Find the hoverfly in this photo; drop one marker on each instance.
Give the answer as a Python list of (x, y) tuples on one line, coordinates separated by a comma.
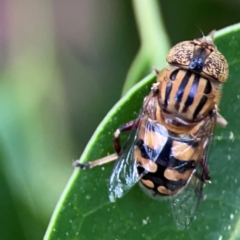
[(167, 150)]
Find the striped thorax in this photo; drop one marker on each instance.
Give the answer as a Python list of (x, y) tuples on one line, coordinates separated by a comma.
[(187, 94)]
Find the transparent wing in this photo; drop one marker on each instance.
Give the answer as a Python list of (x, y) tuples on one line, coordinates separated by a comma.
[(154, 137), (136, 152), (185, 203), (124, 175)]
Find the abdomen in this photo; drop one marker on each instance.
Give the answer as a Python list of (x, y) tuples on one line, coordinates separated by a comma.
[(173, 163)]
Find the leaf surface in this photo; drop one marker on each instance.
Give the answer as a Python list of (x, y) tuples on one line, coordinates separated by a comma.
[(84, 210)]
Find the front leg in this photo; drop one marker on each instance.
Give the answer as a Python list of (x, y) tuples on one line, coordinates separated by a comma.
[(126, 127), (117, 147)]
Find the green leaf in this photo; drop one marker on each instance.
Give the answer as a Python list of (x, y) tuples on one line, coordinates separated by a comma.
[(154, 42), (84, 211)]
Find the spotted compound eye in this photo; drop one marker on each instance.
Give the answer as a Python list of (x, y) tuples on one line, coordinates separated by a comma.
[(200, 56)]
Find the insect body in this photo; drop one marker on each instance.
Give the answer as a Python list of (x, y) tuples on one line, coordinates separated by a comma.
[(168, 145), (187, 94), (170, 160)]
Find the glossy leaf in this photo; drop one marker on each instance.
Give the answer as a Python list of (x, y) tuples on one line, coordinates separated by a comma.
[(84, 210)]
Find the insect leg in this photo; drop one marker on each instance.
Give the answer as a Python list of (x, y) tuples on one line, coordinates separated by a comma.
[(117, 147), (126, 127), (95, 163), (221, 120), (206, 175)]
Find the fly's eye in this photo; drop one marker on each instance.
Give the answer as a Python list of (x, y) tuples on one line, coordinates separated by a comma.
[(200, 56)]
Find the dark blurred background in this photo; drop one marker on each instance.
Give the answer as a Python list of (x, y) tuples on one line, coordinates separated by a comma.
[(62, 67)]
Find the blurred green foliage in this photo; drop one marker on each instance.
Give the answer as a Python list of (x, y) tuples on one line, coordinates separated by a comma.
[(63, 66)]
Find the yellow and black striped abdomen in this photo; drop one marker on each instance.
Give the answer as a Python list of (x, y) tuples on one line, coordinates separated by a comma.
[(186, 94), (170, 164)]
